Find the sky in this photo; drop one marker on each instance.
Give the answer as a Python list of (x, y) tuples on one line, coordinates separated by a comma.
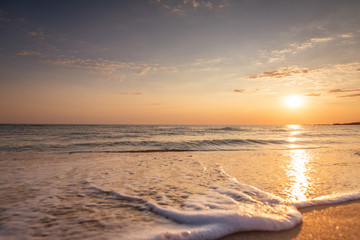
[(179, 61)]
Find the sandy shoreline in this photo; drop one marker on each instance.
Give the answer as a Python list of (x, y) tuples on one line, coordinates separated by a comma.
[(73, 180), (335, 221)]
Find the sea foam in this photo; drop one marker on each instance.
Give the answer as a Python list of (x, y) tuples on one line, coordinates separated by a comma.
[(217, 213), (223, 211), (328, 199)]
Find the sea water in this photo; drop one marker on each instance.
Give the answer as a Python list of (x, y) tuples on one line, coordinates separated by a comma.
[(169, 182)]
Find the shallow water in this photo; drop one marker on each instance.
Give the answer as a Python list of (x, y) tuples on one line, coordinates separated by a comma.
[(111, 193)]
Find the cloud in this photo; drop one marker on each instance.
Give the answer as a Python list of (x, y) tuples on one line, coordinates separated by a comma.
[(281, 73), (292, 49), (102, 66), (321, 79), (335, 91), (245, 90), (351, 95), (319, 40), (348, 35), (239, 91), (348, 67), (182, 7), (40, 35), (161, 68), (356, 90), (343, 90), (29, 53), (205, 65), (5, 21), (313, 95), (112, 69), (144, 71), (202, 62), (284, 72)]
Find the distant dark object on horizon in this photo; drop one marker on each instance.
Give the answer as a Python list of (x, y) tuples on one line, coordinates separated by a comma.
[(353, 123)]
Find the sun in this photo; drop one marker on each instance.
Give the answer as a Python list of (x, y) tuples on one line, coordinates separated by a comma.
[(294, 101)]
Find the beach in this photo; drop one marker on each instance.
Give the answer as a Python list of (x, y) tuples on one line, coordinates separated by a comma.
[(179, 182), (335, 221)]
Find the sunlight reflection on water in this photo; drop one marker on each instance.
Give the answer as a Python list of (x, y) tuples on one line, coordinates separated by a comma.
[(298, 174), (294, 131), (298, 169)]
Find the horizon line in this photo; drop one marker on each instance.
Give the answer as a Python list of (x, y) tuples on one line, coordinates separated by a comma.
[(177, 124)]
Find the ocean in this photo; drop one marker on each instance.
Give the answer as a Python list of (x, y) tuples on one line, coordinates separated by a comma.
[(169, 182)]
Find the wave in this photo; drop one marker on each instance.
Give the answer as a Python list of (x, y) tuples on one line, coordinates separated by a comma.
[(222, 211), (133, 138), (217, 213), (329, 199), (186, 145), (144, 146), (134, 151), (183, 146), (212, 224), (236, 129)]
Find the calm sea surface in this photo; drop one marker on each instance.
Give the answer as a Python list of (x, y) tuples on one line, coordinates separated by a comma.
[(169, 182)]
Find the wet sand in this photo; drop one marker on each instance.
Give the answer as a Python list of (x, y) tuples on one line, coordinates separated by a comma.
[(336, 221)]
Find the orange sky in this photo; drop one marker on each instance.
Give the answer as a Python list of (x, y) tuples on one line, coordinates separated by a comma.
[(189, 62)]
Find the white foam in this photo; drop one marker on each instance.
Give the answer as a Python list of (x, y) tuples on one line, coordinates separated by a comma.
[(222, 211), (219, 214), (329, 199), (247, 217)]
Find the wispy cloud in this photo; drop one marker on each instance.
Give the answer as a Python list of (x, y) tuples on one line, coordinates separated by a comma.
[(355, 91), (313, 81), (29, 53), (144, 70), (164, 68), (284, 72), (281, 73), (182, 7), (242, 90), (343, 90), (40, 35), (5, 20), (101, 65), (348, 35), (292, 49), (319, 40), (239, 91), (312, 95), (296, 47), (111, 68), (202, 62), (351, 95), (205, 65)]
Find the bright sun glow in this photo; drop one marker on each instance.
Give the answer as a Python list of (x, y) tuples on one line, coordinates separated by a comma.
[(294, 101)]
